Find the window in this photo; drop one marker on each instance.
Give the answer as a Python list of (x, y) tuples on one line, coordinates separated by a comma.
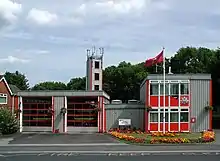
[(174, 117), (184, 115), (154, 89), (153, 117), (96, 87), (174, 89), (166, 115), (96, 76), (3, 98), (166, 89), (96, 64), (184, 88)]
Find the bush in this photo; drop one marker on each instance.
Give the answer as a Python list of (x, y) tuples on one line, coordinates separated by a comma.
[(8, 121)]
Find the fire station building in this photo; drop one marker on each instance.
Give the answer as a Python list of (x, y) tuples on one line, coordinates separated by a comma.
[(188, 99)]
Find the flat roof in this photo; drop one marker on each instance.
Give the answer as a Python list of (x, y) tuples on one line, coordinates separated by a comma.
[(69, 93), (191, 76)]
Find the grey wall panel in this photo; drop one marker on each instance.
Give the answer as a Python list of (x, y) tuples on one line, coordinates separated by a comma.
[(199, 99), (59, 119), (125, 111), (143, 93)]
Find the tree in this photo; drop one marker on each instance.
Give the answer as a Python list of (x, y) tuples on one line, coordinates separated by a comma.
[(50, 86), (18, 79), (8, 122), (199, 60), (123, 82), (193, 60), (77, 84)]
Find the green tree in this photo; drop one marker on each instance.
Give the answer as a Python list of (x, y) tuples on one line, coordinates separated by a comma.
[(50, 86), (193, 60), (77, 84), (8, 122), (199, 60), (123, 82), (18, 79)]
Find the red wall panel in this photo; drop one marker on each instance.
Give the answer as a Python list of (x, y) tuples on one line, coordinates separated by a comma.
[(154, 101), (153, 126), (184, 126), (174, 101), (166, 101), (173, 126), (161, 126)]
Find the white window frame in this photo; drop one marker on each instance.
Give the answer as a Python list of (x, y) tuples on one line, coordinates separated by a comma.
[(157, 88), (166, 112), (169, 82), (4, 96), (187, 111), (174, 112), (156, 111), (178, 111)]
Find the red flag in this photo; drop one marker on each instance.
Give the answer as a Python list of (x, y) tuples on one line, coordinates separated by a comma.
[(157, 59)]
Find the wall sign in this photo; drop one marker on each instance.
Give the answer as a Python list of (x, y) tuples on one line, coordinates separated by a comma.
[(184, 100), (193, 120), (124, 122)]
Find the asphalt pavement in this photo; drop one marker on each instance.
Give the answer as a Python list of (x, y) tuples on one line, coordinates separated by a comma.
[(101, 147), (97, 147), (25, 157), (39, 138)]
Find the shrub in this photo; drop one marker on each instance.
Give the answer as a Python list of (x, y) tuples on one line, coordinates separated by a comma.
[(8, 121)]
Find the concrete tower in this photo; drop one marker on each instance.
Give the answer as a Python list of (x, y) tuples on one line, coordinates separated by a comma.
[(94, 66)]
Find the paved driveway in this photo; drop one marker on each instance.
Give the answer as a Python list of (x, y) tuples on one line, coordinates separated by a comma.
[(37, 138)]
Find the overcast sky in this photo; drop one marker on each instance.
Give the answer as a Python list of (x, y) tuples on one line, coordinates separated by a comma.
[(47, 39)]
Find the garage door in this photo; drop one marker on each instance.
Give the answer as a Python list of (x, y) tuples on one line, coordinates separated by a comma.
[(37, 114), (81, 114)]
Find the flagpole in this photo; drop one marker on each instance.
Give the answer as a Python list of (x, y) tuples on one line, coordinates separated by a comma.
[(164, 90)]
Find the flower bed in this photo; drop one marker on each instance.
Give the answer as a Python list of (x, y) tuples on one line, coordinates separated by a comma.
[(127, 131), (161, 134), (126, 137), (158, 137), (208, 136)]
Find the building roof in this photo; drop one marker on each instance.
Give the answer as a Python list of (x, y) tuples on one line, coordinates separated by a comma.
[(14, 88), (2, 78), (191, 76), (69, 93)]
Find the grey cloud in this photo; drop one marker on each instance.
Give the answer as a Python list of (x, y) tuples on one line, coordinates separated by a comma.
[(169, 23)]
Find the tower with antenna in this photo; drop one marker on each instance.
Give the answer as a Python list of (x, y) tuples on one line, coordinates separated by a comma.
[(94, 67)]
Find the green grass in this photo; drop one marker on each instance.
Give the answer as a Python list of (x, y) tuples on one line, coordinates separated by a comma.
[(181, 135), (148, 138)]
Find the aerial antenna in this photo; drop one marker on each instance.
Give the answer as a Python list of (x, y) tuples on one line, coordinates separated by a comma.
[(101, 49), (88, 52), (93, 51)]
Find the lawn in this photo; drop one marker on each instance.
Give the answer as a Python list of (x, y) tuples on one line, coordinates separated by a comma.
[(139, 137), (180, 135)]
